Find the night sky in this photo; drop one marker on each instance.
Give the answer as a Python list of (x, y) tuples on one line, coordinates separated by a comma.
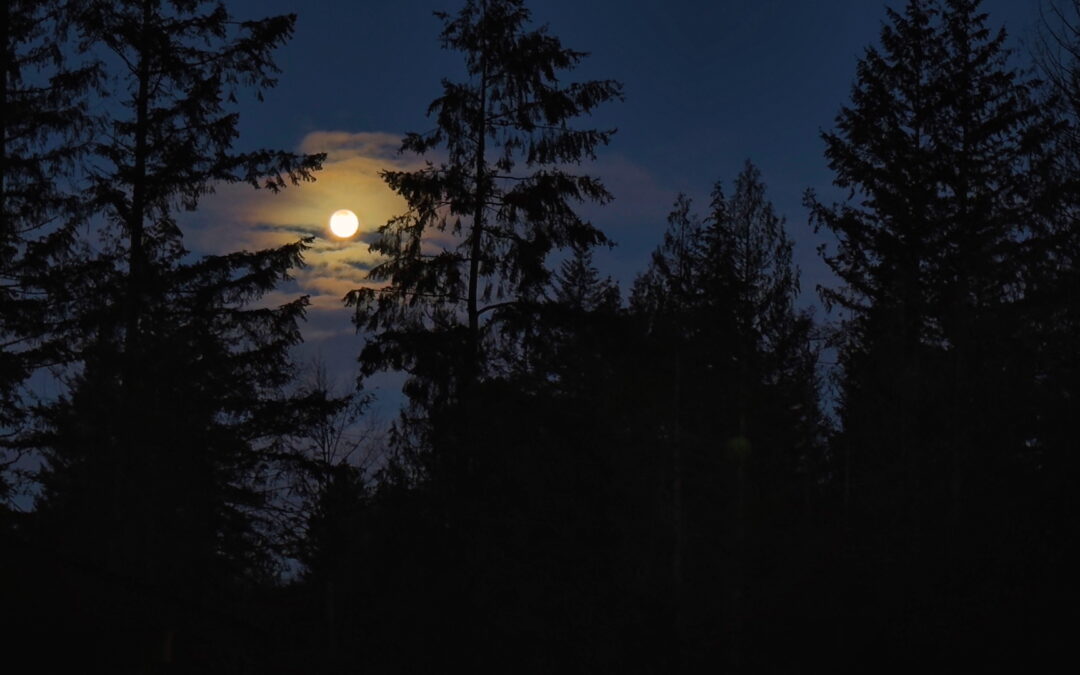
[(708, 85)]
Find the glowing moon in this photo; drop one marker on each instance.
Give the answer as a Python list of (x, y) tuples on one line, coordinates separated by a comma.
[(344, 223)]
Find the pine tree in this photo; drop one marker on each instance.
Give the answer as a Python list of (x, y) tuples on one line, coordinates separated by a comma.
[(725, 288), (750, 276), (669, 286), (460, 268), (158, 453), (42, 125), (734, 397), (948, 150), (491, 227), (577, 284), (555, 339)]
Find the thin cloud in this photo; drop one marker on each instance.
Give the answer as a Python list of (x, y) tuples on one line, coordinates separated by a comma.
[(240, 218), (237, 217)]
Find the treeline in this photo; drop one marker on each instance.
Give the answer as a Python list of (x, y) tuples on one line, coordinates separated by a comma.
[(676, 483)]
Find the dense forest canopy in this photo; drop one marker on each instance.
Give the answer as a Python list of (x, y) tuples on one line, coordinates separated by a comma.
[(668, 475)]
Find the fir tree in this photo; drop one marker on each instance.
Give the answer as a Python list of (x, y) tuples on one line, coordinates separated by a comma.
[(493, 226), (42, 133), (158, 453), (670, 284), (734, 396), (947, 148), (947, 153), (562, 339), (1054, 287), (577, 284), (750, 287), (461, 270), (725, 289)]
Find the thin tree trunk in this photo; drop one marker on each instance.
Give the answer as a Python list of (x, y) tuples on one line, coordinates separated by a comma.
[(136, 216), (476, 243)]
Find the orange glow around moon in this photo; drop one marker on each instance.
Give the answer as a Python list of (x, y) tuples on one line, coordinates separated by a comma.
[(344, 223)]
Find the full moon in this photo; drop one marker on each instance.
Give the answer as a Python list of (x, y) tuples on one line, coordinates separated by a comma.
[(344, 223)]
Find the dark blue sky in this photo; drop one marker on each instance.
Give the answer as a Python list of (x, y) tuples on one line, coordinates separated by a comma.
[(708, 85)]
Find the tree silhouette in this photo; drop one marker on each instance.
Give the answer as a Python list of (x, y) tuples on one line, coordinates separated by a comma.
[(948, 155), (733, 377), (577, 284), (477, 232), (42, 134), (725, 289), (948, 150), (158, 452), (462, 285)]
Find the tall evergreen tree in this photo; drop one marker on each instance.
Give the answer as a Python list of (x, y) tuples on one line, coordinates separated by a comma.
[(461, 270), (733, 377), (726, 289), (477, 232), (157, 454), (1061, 253), (947, 148), (750, 274), (557, 339), (41, 135), (948, 154)]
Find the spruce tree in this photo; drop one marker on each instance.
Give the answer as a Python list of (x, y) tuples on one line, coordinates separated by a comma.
[(947, 153), (577, 284), (43, 127), (734, 405), (750, 276), (724, 288), (482, 222), (555, 339), (669, 287), (1060, 253), (459, 272), (159, 451), (947, 149)]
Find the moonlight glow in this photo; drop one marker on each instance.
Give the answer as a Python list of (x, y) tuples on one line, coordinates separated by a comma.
[(344, 223)]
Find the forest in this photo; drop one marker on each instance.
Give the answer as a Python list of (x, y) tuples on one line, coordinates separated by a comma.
[(695, 473)]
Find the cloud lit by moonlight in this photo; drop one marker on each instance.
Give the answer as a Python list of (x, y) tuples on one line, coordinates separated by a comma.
[(238, 217)]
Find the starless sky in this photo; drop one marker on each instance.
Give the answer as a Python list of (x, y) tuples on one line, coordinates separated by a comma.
[(708, 84)]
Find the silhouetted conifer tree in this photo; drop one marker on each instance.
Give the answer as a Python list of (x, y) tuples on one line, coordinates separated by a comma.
[(495, 225), (557, 342), (464, 268), (725, 289), (577, 284), (946, 148), (735, 400), (750, 273), (158, 452), (669, 287), (947, 152), (42, 133)]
